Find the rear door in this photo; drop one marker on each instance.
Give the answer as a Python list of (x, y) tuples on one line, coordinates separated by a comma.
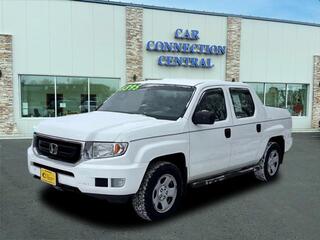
[(246, 129), (209, 147)]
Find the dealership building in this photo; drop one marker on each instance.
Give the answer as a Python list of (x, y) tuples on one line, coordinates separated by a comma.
[(61, 57)]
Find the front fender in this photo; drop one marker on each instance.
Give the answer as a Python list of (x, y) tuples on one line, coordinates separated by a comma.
[(149, 149)]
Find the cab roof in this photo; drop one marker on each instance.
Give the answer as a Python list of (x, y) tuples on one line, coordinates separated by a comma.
[(194, 82)]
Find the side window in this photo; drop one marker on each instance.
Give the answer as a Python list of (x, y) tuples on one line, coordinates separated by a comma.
[(213, 101), (242, 102)]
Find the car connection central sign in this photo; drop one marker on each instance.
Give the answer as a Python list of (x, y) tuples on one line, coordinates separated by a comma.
[(185, 48)]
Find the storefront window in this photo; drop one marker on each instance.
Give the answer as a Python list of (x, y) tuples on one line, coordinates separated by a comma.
[(100, 90), (73, 94), (294, 97), (276, 95), (297, 99), (37, 96), (259, 89)]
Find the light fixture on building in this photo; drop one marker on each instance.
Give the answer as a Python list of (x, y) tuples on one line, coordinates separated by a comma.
[(134, 78)]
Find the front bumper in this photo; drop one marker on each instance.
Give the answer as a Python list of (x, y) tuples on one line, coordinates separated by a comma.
[(83, 174)]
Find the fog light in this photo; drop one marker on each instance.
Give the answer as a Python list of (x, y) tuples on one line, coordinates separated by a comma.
[(118, 182), (101, 182)]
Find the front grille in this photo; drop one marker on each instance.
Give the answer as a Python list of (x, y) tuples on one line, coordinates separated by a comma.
[(64, 150)]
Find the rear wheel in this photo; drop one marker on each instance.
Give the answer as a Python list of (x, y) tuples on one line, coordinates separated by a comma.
[(160, 192), (269, 164)]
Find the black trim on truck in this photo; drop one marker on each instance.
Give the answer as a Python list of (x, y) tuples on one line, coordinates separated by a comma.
[(53, 169), (222, 176), (111, 198)]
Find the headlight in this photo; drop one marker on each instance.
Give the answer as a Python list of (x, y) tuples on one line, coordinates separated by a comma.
[(104, 149)]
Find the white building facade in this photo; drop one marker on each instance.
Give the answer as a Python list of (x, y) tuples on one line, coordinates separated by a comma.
[(61, 57)]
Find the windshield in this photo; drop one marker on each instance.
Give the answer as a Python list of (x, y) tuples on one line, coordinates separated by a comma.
[(154, 100)]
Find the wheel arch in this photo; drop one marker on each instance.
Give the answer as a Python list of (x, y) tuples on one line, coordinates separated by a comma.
[(178, 159), (279, 139)]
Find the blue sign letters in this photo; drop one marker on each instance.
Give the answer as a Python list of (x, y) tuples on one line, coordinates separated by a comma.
[(185, 48)]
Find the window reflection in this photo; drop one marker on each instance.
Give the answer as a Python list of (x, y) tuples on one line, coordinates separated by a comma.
[(37, 96), (275, 95), (297, 99), (292, 96), (100, 90), (71, 94), (50, 96), (259, 89)]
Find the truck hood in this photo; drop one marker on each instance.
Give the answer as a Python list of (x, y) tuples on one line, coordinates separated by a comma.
[(107, 126)]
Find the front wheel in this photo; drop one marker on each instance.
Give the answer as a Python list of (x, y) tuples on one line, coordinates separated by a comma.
[(268, 166), (160, 192)]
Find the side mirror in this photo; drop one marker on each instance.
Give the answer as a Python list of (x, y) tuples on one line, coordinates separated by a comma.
[(203, 117)]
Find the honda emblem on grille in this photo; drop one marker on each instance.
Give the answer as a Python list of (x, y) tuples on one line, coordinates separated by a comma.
[(53, 148)]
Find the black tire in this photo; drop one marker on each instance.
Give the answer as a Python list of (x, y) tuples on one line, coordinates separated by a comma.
[(268, 167), (143, 202)]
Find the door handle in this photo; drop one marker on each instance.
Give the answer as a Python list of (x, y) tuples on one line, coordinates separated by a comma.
[(227, 132), (258, 127)]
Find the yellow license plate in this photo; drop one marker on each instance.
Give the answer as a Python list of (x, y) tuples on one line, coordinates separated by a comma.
[(48, 176)]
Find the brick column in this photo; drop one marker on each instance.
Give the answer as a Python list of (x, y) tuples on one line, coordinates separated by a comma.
[(7, 124), (316, 92), (233, 49), (134, 45)]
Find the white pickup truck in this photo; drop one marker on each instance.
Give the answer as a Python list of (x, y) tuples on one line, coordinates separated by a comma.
[(151, 139)]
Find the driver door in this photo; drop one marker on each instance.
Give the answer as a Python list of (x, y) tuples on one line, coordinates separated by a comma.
[(210, 144)]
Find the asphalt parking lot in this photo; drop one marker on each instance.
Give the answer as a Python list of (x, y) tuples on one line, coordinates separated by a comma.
[(239, 208)]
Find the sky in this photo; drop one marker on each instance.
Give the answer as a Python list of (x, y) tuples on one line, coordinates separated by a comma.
[(296, 10)]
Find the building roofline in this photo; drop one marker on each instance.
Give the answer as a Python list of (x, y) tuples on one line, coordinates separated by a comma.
[(193, 82), (125, 4)]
